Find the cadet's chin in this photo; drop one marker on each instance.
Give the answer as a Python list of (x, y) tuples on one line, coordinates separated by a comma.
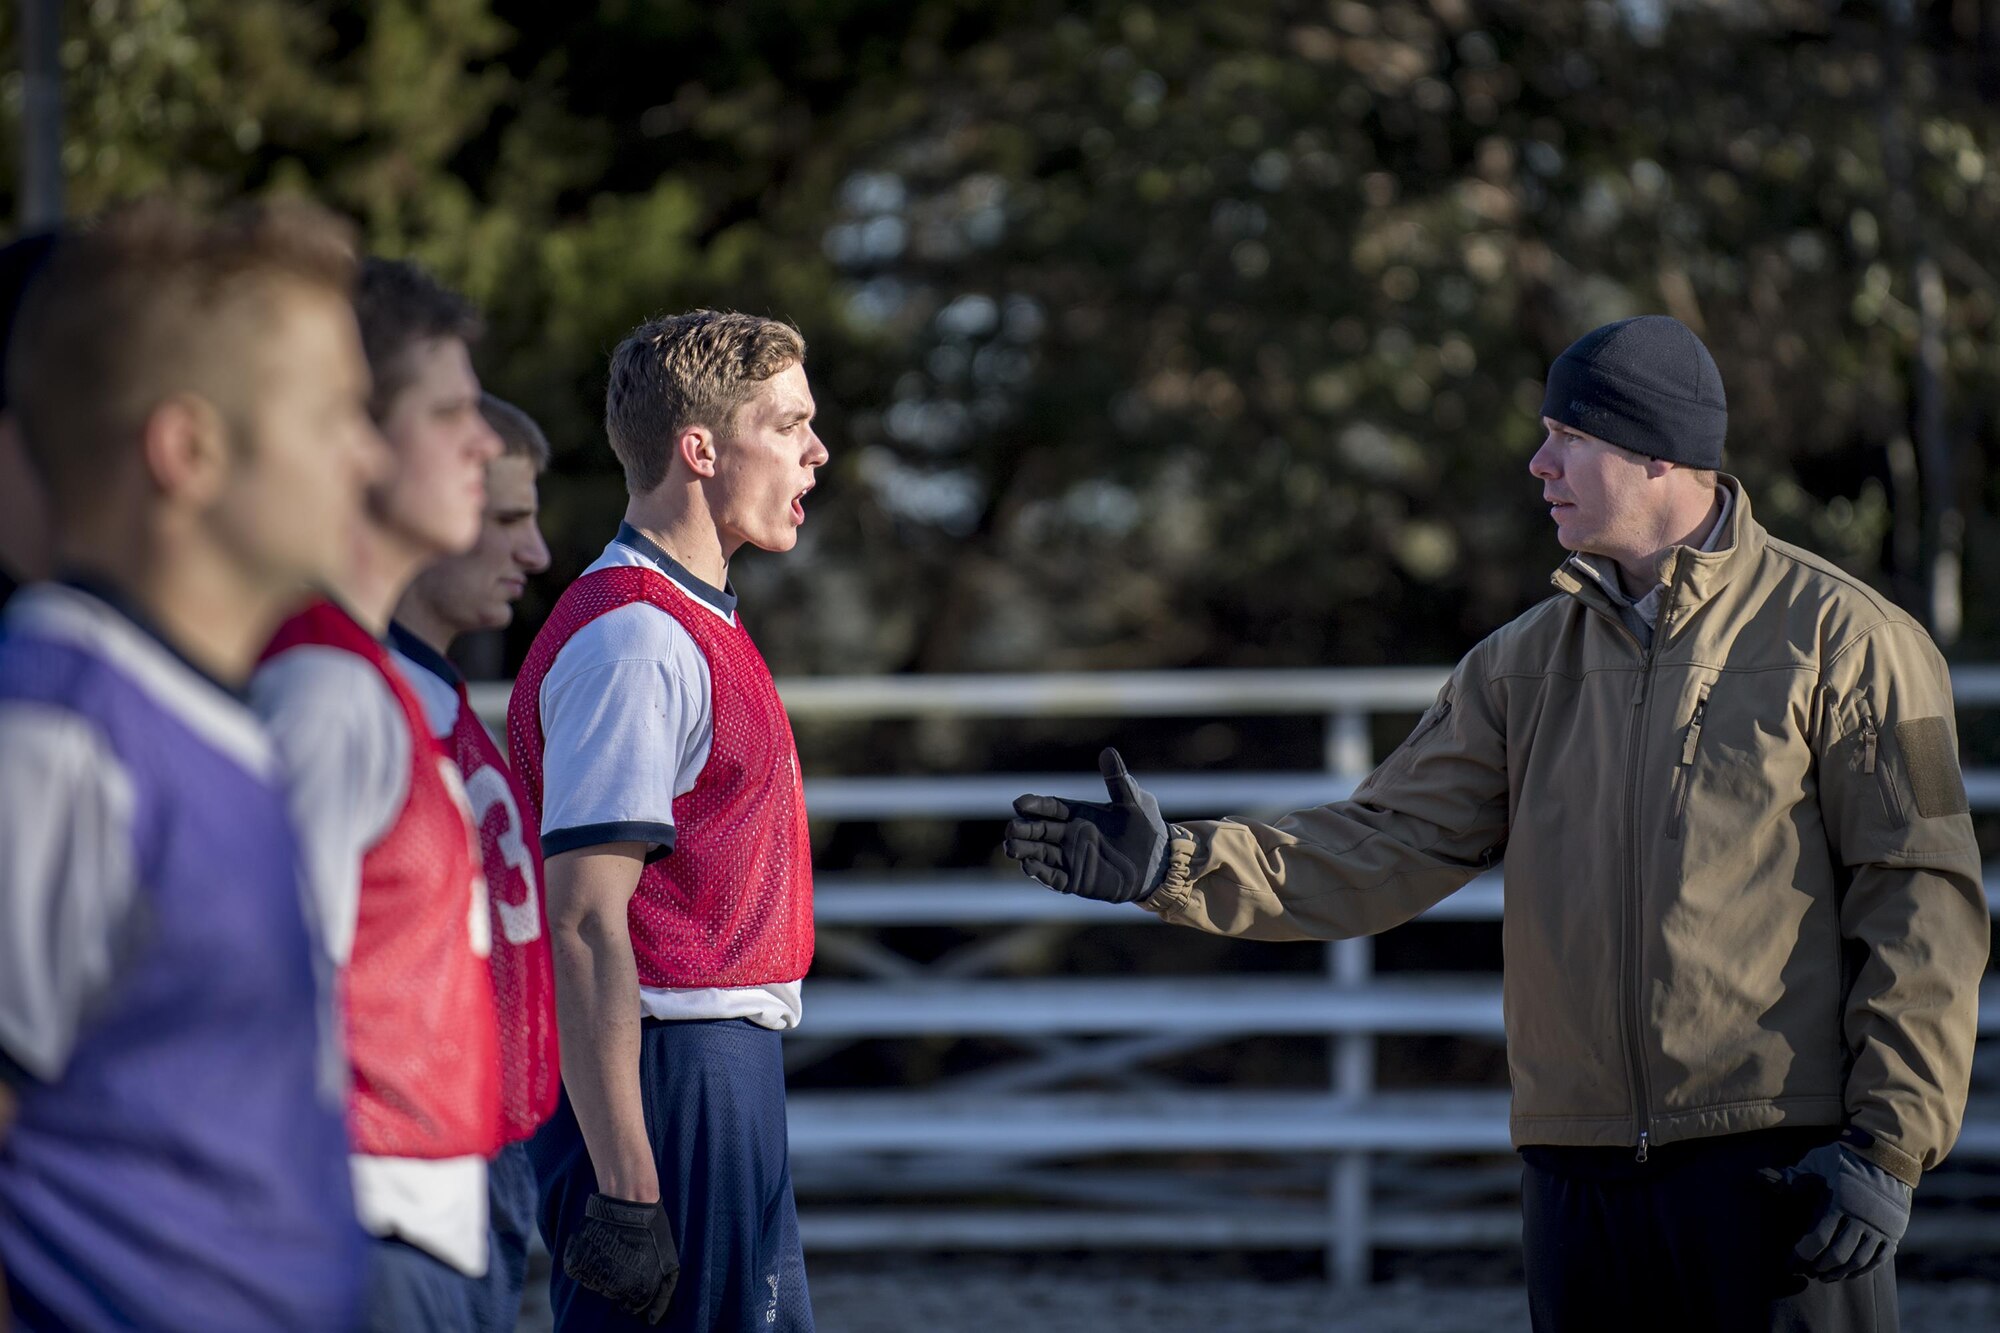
[(780, 541)]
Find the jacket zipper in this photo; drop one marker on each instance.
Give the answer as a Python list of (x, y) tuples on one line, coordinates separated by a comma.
[(1634, 936), (1868, 737), (1635, 939), (1439, 715), (1871, 744), (1684, 770)]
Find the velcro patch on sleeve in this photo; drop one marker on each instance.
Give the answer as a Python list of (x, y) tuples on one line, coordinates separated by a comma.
[(1932, 762)]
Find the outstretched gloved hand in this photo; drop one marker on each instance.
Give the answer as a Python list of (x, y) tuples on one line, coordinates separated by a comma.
[(624, 1252), (1114, 851), (1864, 1212)]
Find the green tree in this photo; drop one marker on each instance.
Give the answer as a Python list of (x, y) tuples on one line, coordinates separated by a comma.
[(1195, 334)]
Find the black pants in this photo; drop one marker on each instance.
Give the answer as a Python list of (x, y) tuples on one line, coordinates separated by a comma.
[(1691, 1239)]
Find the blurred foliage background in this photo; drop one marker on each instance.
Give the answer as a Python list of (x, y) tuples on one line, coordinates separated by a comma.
[(1206, 333)]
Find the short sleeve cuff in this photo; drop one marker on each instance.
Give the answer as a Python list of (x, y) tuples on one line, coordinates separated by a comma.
[(658, 837)]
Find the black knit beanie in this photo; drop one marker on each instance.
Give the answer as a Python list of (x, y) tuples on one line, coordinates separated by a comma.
[(1645, 384)]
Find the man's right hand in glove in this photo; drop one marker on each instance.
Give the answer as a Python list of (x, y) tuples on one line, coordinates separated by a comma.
[(625, 1253), (1115, 851)]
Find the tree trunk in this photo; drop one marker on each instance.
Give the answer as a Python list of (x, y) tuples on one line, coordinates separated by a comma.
[(41, 201)]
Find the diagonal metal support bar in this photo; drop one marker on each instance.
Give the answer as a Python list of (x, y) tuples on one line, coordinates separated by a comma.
[(1110, 1058), (869, 957)]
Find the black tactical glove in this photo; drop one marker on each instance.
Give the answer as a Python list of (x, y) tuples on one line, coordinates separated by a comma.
[(625, 1253), (1115, 852), (1863, 1213)]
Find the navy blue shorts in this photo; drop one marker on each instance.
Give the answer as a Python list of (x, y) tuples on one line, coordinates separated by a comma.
[(409, 1288), (510, 1203), (715, 1113)]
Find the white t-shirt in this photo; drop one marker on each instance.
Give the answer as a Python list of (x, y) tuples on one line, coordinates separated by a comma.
[(346, 748), (626, 728)]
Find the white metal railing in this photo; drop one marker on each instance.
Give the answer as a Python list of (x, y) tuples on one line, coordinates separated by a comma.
[(1305, 691), (1346, 1122), (1093, 693)]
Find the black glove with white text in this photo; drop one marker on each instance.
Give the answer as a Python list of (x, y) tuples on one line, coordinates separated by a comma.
[(625, 1253), (1114, 851), (1863, 1212)]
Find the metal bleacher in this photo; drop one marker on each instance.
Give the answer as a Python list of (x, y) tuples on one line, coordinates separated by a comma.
[(1140, 1160)]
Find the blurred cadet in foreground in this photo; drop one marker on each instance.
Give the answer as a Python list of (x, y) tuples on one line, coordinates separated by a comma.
[(1745, 928), (24, 538), (650, 736), (195, 397), (459, 595), (391, 857)]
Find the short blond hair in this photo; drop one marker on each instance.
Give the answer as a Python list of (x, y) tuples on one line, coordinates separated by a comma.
[(151, 302), (519, 436), (696, 369)]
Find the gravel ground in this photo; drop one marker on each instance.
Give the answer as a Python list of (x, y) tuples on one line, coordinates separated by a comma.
[(959, 1297), (962, 1297), (1003, 1296)]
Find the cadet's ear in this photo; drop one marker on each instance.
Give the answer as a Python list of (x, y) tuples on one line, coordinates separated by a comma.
[(185, 447), (696, 448)]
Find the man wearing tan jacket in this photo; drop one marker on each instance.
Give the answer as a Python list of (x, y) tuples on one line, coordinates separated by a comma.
[(1745, 926)]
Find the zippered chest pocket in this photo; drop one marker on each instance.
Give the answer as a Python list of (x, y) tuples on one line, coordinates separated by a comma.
[(1684, 764), (1871, 750)]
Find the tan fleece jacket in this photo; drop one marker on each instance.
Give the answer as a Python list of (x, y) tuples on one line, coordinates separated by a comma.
[(1742, 887)]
